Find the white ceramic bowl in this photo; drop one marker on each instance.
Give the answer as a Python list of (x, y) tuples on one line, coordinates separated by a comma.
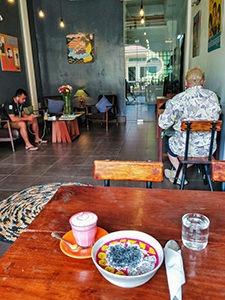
[(121, 280)]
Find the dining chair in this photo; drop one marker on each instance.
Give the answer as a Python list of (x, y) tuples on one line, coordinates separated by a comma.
[(197, 126), (106, 114), (218, 172), (8, 134), (128, 170)]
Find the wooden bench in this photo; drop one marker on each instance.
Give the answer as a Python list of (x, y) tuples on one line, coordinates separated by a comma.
[(218, 172), (128, 170)]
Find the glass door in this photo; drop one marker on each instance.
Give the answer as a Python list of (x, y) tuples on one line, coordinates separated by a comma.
[(153, 57)]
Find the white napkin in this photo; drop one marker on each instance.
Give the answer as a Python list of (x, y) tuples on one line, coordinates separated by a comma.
[(174, 269)]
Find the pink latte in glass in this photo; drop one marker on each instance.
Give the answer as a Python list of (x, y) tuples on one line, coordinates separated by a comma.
[(84, 227)]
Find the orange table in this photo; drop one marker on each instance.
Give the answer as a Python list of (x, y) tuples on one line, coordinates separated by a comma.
[(65, 131), (34, 267)]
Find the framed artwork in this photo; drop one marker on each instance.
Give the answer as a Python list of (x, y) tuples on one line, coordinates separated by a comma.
[(214, 24), (80, 48), (196, 33), (9, 53)]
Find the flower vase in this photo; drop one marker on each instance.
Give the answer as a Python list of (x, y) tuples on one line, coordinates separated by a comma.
[(67, 104)]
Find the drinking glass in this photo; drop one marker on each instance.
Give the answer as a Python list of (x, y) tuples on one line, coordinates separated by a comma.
[(84, 227), (195, 231)]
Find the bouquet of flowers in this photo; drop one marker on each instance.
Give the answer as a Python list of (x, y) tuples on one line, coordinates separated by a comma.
[(65, 89)]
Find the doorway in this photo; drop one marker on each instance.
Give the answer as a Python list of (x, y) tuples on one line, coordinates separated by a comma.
[(152, 55)]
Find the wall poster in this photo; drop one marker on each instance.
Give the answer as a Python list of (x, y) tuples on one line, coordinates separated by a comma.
[(196, 33), (9, 53), (214, 24), (80, 48)]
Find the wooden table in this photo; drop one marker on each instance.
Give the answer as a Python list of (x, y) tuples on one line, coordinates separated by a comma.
[(65, 131), (35, 268)]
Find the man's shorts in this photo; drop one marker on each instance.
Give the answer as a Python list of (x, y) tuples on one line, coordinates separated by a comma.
[(169, 150), (13, 125)]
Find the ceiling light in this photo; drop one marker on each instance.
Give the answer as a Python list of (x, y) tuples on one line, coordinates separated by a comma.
[(11, 1), (144, 33), (141, 11), (142, 20), (1, 18), (41, 13), (61, 24)]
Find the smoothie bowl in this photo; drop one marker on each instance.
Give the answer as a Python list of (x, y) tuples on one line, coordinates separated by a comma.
[(127, 258)]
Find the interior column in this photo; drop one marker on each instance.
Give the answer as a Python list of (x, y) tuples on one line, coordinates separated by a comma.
[(187, 38), (28, 55)]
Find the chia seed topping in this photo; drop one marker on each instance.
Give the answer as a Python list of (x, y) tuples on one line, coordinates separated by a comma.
[(119, 256), (129, 257)]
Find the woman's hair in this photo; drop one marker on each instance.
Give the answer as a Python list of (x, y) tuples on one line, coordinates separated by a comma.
[(195, 76)]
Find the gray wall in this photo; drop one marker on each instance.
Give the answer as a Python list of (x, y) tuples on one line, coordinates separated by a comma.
[(11, 81), (103, 18), (212, 63)]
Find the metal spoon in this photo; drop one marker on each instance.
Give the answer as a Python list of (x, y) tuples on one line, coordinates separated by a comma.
[(74, 247)]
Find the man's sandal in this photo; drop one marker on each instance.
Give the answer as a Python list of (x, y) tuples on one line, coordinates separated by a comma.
[(41, 142), (31, 148)]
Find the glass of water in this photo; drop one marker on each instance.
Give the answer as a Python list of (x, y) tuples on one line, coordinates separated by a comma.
[(195, 231)]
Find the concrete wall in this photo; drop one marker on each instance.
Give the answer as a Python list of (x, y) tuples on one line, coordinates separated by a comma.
[(11, 81), (103, 18), (213, 63)]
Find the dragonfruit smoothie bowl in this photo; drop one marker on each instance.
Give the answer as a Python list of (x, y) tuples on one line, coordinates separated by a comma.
[(127, 258)]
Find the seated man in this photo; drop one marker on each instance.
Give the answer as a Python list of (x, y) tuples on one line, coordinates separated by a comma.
[(195, 103), (14, 112)]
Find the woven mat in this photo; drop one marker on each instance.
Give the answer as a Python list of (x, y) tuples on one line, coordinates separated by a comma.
[(19, 210)]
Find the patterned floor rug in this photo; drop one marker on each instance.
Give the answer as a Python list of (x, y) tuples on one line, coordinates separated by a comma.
[(19, 210)]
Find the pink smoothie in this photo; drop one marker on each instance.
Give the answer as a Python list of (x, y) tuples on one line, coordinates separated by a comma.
[(84, 227)]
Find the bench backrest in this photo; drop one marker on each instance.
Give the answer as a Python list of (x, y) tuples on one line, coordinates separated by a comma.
[(218, 170), (128, 170)]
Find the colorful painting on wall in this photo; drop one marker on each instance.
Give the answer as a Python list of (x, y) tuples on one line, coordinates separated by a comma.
[(80, 48), (9, 53), (214, 25), (196, 37)]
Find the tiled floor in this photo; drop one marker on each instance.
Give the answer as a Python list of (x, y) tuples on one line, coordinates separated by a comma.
[(140, 111), (74, 162)]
